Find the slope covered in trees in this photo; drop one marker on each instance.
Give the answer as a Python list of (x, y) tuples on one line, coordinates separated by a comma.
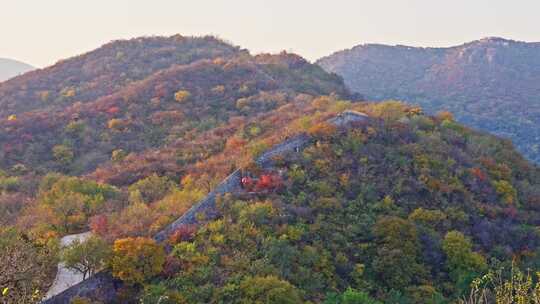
[(183, 85), (103, 71), (146, 113), (490, 84), (406, 210), (437, 201)]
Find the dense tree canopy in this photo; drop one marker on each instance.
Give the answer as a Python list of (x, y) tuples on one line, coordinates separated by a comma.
[(135, 148), (395, 210)]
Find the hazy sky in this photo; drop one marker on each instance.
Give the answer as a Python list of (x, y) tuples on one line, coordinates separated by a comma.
[(41, 32)]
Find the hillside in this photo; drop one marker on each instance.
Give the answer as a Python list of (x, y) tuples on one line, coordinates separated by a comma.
[(10, 68), (405, 212), (489, 84), (133, 148), (103, 71), (139, 94), (136, 113), (404, 208)]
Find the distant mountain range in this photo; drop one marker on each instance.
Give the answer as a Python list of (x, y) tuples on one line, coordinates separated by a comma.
[(10, 68), (491, 84)]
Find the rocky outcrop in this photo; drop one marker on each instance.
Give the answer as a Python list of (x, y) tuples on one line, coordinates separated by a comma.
[(103, 286)]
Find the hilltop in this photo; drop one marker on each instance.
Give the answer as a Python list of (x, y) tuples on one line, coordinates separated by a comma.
[(10, 68), (489, 84), (139, 94)]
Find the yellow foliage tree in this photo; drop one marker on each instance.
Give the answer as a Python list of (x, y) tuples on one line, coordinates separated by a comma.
[(182, 96), (389, 111), (505, 190), (137, 259), (117, 124)]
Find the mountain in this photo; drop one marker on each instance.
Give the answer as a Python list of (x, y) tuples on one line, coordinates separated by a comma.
[(129, 138), (404, 209), (104, 71), (139, 94), (76, 136), (10, 68), (490, 84)]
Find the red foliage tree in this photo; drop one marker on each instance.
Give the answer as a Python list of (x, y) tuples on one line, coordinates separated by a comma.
[(113, 110), (99, 225), (183, 234)]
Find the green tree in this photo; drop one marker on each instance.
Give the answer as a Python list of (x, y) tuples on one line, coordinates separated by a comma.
[(69, 212), (75, 129), (397, 251), (463, 263), (268, 290), (63, 154), (118, 155), (150, 189), (434, 219), (73, 200), (506, 191), (86, 257), (351, 296)]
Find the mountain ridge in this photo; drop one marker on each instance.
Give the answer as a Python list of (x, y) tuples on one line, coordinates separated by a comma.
[(487, 39), (490, 83)]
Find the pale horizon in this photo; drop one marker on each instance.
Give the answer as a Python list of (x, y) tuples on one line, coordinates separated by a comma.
[(61, 29)]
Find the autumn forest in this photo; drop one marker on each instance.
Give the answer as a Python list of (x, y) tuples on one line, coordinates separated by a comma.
[(404, 207)]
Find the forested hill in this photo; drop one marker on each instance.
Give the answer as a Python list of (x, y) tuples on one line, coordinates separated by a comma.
[(103, 71), (139, 94), (490, 84), (148, 113), (404, 208), (409, 208), (10, 68)]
